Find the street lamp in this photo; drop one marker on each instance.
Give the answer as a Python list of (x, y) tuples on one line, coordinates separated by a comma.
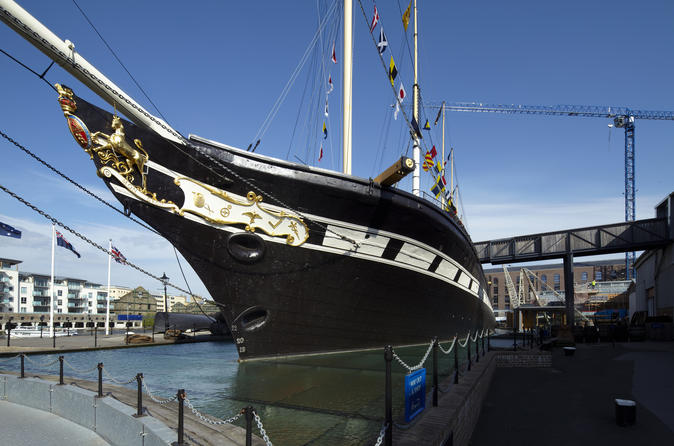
[(165, 280)]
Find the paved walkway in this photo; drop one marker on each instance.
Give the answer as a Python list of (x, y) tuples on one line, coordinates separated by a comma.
[(19, 422), (572, 403)]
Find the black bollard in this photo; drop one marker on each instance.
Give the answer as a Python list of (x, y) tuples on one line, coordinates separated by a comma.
[(388, 398), (468, 350), (139, 380), (96, 336), (181, 417), (100, 380), (23, 374), (127, 334), (514, 340), (456, 360), (249, 425), (477, 351), (61, 370), (41, 327), (435, 372), (53, 338), (9, 334)]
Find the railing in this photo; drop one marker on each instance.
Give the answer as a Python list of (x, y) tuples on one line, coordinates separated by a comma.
[(143, 388)]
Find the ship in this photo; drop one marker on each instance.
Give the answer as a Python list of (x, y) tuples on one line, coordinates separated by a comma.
[(301, 260)]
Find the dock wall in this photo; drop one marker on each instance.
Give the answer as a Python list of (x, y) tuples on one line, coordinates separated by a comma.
[(109, 418)]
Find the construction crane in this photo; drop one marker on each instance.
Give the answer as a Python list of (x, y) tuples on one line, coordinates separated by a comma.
[(623, 117)]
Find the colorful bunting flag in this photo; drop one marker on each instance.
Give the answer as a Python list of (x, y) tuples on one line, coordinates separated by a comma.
[(438, 188), (401, 96), (427, 126), (439, 113), (392, 71), (326, 108), (330, 84), (375, 19), (117, 255), (9, 231), (320, 156), (334, 55), (61, 241), (434, 152), (406, 16), (325, 131), (428, 161), (383, 42)]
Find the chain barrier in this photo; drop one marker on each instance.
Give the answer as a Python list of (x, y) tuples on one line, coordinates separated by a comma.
[(447, 352), (46, 364), (2, 361), (418, 366), (466, 341), (382, 432), (209, 420), (112, 378), (474, 337), (83, 372), (262, 431), (153, 398)]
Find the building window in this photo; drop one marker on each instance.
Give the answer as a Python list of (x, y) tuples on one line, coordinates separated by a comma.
[(23, 310), (555, 280), (59, 293), (59, 311), (584, 276), (597, 275), (59, 302), (544, 281), (24, 290), (23, 300)]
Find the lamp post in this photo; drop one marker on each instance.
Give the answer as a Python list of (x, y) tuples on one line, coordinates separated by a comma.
[(41, 325), (165, 280)]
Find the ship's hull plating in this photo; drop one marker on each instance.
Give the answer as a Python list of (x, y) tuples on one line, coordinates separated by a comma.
[(378, 266)]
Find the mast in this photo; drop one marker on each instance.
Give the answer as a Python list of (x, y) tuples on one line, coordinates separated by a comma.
[(417, 149), (51, 283), (64, 54), (347, 78)]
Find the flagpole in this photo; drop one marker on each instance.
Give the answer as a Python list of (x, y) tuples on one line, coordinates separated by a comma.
[(443, 153), (51, 286), (416, 178), (107, 306), (347, 84)]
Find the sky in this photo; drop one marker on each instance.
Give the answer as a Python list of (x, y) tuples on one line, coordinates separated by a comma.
[(216, 69)]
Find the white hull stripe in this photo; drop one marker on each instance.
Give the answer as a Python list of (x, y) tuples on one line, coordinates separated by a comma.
[(371, 244)]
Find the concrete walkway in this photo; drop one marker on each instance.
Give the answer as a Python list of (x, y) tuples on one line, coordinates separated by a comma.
[(19, 428), (572, 403)]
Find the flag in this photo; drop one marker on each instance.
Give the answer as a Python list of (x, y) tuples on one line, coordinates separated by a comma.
[(415, 126), (428, 161), (61, 241), (427, 126), (438, 188), (326, 108), (383, 43), (406, 16), (439, 113), (434, 152), (392, 71), (334, 55), (325, 131), (9, 231), (330, 84), (320, 156), (375, 19), (401, 96), (117, 255)]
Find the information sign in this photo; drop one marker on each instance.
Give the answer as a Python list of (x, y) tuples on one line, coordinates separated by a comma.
[(415, 394)]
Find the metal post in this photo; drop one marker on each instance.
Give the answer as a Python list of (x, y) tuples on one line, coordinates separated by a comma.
[(468, 350), (488, 341), (127, 333), (139, 406), (96, 335), (53, 338), (456, 361), (249, 426), (483, 352), (435, 372), (388, 398), (41, 328), (100, 380), (23, 374), (477, 351), (9, 332), (181, 416), (568, 290), (61, 370)]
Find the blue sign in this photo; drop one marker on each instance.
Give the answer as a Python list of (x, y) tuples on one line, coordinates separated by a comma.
[(415, 394), (129, 317)]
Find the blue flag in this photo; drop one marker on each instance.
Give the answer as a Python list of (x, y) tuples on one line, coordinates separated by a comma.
[(61, 241), (9, 231)]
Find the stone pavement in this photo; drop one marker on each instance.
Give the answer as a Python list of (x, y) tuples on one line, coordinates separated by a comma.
[(19, 428), (572, 403)]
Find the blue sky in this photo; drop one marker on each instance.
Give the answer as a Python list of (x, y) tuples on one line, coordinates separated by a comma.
[(216, 68)]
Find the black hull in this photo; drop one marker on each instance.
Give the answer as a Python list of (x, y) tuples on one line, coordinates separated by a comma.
[(379, 266)]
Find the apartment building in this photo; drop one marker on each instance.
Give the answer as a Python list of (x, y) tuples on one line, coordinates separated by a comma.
[(71, 295), (9, 283)]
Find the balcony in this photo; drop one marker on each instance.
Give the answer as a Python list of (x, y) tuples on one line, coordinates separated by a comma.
[(41, 284), (44, 293)]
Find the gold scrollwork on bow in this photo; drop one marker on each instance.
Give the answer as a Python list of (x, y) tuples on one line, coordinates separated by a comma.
[(218, 207)]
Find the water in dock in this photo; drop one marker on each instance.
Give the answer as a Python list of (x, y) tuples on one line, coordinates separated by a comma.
[(333, 399)]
